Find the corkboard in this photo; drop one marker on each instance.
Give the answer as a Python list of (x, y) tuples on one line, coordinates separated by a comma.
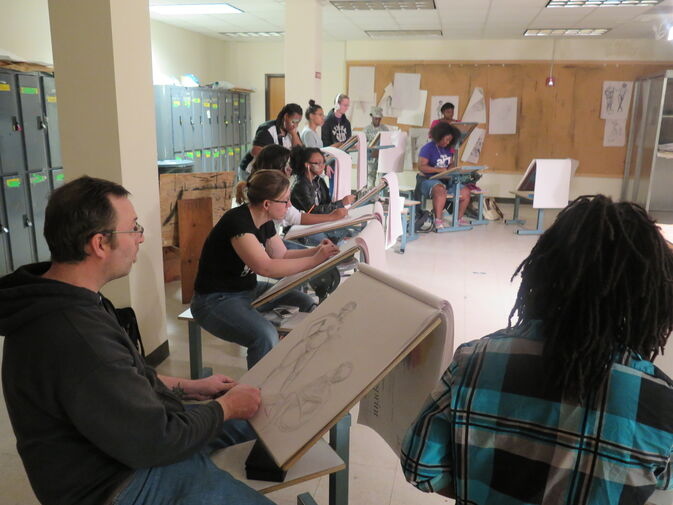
[(217, 186), (558, 122)]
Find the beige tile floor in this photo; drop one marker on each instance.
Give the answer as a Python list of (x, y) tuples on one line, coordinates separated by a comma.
[(470, 269)]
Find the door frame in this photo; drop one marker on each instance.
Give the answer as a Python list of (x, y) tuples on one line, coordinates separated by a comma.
[(267, 77)]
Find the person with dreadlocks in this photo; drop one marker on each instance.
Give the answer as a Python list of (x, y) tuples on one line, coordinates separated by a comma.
[(564, 406)]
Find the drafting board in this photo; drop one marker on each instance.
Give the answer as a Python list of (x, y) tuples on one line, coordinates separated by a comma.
[(549, 181), (333, 358), (392, 160), (361, 160), (451, 172), (342, 171), (369, 194), (355, 216)]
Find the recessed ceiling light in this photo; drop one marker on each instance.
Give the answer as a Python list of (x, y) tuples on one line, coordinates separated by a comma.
[(602, 3), (565, 32), (393, 34), (383, 5), (252, 35), (187, 9)]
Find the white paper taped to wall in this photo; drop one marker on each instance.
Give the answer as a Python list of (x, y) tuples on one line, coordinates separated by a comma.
[(476, 108), (502, 116), (406, 88), (361, 84)]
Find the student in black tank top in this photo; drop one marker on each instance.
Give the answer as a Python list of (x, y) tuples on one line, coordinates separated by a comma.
[(243, 244)]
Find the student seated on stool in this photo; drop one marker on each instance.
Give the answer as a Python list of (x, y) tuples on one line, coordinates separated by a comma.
[(434, 157), (565, 406), (94, 423), (243, 244)]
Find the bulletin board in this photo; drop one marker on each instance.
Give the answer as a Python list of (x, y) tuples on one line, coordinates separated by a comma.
[(562, 121)]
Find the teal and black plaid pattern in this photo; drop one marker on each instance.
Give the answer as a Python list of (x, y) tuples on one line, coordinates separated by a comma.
[(497, 431)]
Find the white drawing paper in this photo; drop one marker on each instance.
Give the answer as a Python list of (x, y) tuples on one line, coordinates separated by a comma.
[(418, 137), (416, 115), (406, 88), (332, 357), (436, 103), (361, 158), (360, 113), (361, 84), (502, 115), (614, 134), (386, 102), (616, 99), (394, 221), (476, 108), (392, 159), (342, 169), (474, 145)]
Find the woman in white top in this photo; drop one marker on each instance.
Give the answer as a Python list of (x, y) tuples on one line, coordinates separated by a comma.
[(310, 136)]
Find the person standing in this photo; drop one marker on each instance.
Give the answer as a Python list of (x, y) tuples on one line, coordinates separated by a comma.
[(447, 111), (370, 131), (281, 131)]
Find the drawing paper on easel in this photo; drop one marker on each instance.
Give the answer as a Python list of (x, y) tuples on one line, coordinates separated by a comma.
[(476, 108), (615, 133), (333, 358), (361, 84), (386, 102), (474, 145), (360, 112), (416, 115), (502, 116), (436, 103), (406, 88), (548, 180), (616, 99)]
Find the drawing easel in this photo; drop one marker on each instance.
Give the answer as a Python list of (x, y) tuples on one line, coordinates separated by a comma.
[(449, 174), (369, 194), (304, 395), (355, 216), (546, 183)]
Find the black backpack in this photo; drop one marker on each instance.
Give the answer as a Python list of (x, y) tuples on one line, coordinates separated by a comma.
[(423, 222), (127, 319)]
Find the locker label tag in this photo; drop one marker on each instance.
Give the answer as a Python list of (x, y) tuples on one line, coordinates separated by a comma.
[(13, 183), (28, 90), (5, 87)]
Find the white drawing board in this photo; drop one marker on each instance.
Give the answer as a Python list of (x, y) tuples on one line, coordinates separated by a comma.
[(324, 366), (549, 180)]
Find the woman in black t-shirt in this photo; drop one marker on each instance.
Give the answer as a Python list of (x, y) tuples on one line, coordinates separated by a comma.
[(243, 244)]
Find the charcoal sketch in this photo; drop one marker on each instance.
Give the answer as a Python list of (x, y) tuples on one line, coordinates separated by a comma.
[(616, 99), (289, 411), (320, 332)]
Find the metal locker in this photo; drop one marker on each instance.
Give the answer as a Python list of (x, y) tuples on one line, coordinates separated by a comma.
[(38, 183), (188, 123), (242, 117), (228, 118), (237, 156), (197, 117), (207, 160), (12, 160), (163, 108), (217, 159), (34, 122), (231, 159), (207, 108), (235, 119), (51, 114), (18, 220), (248, 121), (5, 257), (57, 178), (178, 118), (198, 160), (215, 120)]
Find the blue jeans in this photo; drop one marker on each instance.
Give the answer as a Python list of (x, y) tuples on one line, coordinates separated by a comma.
[(194, 481), (230, 316)]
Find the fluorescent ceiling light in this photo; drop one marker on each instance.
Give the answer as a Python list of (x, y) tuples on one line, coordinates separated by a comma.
[(251, 35), (566, 32), (394, 34), (383, 5), (187, 9), (602, 3)]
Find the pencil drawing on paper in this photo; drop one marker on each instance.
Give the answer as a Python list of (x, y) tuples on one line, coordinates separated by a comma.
[(616, 99), (320, 332), (289, 411)]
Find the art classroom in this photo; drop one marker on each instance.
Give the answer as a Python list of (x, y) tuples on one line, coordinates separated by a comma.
[(347, 252)]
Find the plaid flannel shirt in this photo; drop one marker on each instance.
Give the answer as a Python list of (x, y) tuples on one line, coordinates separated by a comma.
[(496, 431)]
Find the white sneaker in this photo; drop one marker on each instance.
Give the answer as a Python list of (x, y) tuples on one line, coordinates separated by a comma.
[(464, 222), (439, 224)]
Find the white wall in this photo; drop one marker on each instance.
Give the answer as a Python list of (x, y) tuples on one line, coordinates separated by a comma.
[(24, 29)]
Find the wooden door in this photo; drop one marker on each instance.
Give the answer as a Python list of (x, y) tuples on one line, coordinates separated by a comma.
[(275, 94)]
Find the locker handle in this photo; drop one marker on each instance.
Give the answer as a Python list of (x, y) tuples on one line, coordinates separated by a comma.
[(4, 229), (16, 126), (41, 124), (27, 222)]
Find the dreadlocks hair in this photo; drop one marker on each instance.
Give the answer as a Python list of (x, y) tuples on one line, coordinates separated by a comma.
[(600, 280)]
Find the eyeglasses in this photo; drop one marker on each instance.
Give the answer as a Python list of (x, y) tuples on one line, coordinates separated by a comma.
[(284, 202), (318, 163), (295, 121), (137, 228)]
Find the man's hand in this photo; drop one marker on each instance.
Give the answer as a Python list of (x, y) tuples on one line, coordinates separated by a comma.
[(241, 402), (348, 199), (339, 213), (325, 250), (208, 387)]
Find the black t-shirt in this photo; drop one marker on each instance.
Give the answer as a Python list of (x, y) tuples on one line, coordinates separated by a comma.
[(220, 268), (267, 133), (335, 129)]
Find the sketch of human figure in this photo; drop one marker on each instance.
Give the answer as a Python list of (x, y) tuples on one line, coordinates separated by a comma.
[(609, 97), (289, 411), (621, 96), (320, 332)]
